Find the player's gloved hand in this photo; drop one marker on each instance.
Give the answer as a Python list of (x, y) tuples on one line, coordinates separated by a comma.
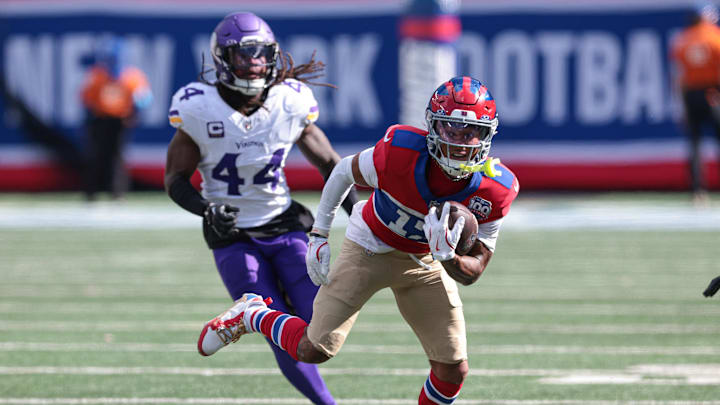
[(317, 259), (441, 239), (221, 218), (712, 288)]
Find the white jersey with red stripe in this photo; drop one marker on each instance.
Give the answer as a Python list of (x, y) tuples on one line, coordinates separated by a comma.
[(394, 215), (242, 157)]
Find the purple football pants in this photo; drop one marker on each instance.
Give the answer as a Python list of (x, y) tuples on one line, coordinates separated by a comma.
[(275, 267)]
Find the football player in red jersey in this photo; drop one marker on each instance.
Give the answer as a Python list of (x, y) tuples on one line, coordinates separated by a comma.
[(395, 240)]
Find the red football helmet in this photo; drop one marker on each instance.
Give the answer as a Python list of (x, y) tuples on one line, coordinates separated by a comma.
[(461, 120)]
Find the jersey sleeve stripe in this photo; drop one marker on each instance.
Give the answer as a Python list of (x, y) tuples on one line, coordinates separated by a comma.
[(505, 178), (313, 114)]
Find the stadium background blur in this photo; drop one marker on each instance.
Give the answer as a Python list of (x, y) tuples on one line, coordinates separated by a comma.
[(593, 296), (583, 87)]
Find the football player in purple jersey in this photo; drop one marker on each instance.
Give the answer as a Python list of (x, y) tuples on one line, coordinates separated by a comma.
[(238, 131)]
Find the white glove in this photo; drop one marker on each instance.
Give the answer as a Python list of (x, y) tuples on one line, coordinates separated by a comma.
[(442, 240), (317, 259)]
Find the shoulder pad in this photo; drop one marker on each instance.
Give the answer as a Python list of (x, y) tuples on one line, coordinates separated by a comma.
[(298, 99), (405, 136), (188, 101), (503, 175)]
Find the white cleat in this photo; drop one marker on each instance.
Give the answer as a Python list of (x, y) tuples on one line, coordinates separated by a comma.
[(229, 326)]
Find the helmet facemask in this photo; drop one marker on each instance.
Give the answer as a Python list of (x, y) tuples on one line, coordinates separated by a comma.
[(459, 143), (248, 67)]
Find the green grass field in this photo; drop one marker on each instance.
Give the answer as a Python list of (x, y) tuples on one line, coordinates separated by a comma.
[(110, 314)]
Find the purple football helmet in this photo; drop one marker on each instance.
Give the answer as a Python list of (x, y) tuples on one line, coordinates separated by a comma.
[(245, 53)]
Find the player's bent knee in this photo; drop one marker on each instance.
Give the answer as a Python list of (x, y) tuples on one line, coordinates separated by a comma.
[(307, 353), (452, 373)]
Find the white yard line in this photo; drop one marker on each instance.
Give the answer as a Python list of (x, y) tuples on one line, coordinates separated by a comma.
[(201, 292), (365, 349), (371, 327), (348, 401), (526, 215), (372, 308), (653, 369), (206, 308), (650, 374)]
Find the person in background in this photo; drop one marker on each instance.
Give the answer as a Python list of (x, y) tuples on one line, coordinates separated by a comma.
[(113, 93), (696, 55), (238, 131)]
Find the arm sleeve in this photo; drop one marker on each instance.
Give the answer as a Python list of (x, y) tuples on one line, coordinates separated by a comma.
[(488, 233), (350, 201), (184, 194), (336, 188), (367, 167)]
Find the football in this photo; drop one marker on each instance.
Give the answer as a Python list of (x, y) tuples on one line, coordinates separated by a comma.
[(469, 233)]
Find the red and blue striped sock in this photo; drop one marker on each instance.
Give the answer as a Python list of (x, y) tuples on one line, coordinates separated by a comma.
[(284, 330), (436, 392)]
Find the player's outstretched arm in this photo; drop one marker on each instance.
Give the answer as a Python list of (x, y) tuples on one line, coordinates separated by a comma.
[(468, 268), (317, 149), (337, 186)]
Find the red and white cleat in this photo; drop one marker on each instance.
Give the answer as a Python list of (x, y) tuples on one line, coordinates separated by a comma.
[(229, 326)]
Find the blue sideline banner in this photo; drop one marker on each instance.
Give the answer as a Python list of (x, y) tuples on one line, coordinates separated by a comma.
[(581, 84)]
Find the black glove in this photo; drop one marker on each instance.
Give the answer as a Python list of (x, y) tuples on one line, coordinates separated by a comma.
[(712, 288), (221, 218)]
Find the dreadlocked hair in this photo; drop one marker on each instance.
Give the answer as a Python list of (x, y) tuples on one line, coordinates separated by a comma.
[(206, 68), (303, 73)]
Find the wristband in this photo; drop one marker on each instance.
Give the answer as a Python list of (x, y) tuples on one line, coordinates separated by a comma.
[(185, 195)]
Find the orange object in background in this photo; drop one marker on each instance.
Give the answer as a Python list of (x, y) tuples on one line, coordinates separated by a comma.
[(697, 51), (106, 96)]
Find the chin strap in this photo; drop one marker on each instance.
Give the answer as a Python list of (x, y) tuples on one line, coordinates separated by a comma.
[(250, 87), (487, 167)]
